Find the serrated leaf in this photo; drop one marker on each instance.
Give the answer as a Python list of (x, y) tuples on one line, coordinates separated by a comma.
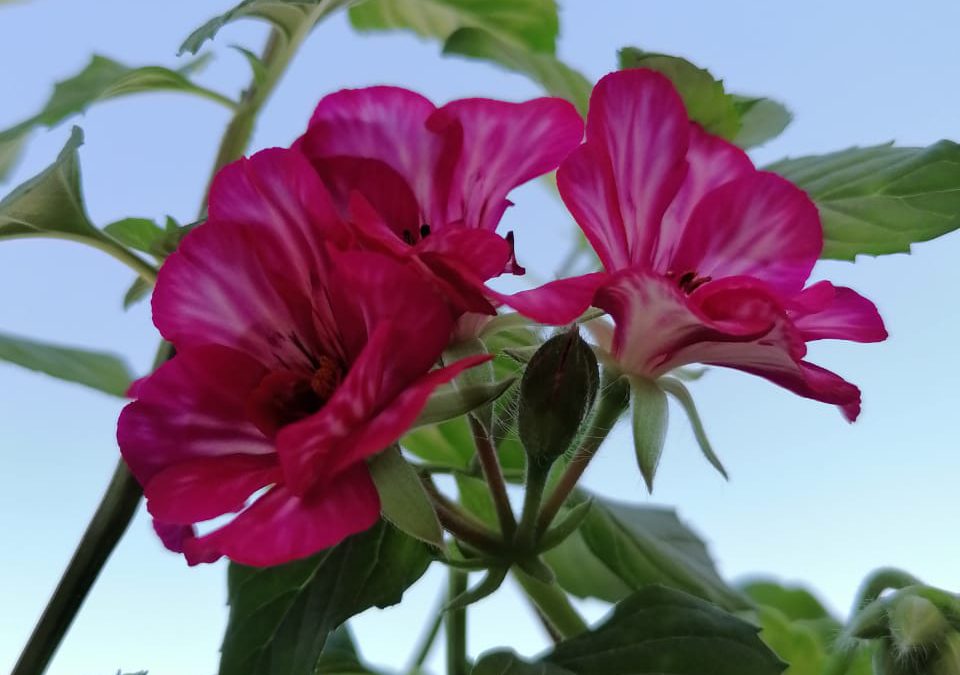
[(703, 95), (97, 370), (280, 617), (676, 388), (102, 79), (656, 631), (621, 548), (286, 15), (529, 24), (557, 78), (649, 416), (761, 120), (403, 501), (880, 199), (139, 233)]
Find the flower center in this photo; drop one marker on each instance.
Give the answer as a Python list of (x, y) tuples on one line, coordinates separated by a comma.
[(688, 281), (287, 396)]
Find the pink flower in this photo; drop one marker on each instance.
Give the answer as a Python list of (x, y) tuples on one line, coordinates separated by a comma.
[(295, 362), (430, 184), (705, 257)]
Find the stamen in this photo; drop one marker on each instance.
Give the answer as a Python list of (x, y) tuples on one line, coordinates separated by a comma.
[(424, 231), (327, 378)]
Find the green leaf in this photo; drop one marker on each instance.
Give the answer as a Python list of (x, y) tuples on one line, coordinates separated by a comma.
[(140, 233), (452, 401), (621, 548), (794, 602), (529, 24), (880, 199), (649, 417), (403, 501), (104, 372), (761, 120), (51, 201), (280, 617), (340, 657), (475, 497), (557, 78), (656, 631), (103, 79), (704, 97), (138, 290), (286, 15), (678, 390), (10, 152), (796, 642), (447, 444)]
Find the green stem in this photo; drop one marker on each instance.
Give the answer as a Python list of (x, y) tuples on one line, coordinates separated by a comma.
[(456, 623), (536, 482), (553, 604), (114, 514), (493, 474), (429, 637), (106, 244)]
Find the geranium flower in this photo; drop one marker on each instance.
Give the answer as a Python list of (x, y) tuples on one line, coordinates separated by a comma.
[(431, 184), (705, 258), (296, 361)]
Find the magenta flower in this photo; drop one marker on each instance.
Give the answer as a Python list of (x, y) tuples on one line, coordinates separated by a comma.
[(705, 257), (295, 362), (431, 184)]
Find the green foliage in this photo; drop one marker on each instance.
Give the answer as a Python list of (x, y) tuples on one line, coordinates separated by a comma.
[(446, 444), (557, 78), (281, 617), (452, 401), (140, 233), (761, 120), (286, 15), (675, 388), (103, 372), (656, 631), (529, 24), (649, 417), (797, 604), (101, 79), (621, 548), (403, 500), (880, 199)]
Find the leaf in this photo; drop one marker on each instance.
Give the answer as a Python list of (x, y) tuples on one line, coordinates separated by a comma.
[(138, 290), (528, 24), (704, 97), (97, 370), (795, 642), (286, 15), (103, 79), (280, 617), (557, 78), (676, 388), (794, 602), (880, 199), (10, 152), (51, 201), (140, 233), (403, 501), (451, 401), (649, 418), (761, 120), (656, 631), (447, 444), (621, 548)]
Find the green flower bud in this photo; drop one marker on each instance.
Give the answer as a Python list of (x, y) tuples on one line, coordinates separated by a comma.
[(556, 394)]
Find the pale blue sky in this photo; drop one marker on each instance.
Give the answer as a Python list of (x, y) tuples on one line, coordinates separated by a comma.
[(811, 499)]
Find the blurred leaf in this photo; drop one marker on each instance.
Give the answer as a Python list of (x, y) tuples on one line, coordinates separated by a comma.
[(761, 120), (528, 24), (880, 199), (10, 152), (557, 78), (138, 290), (286, 15), (140, 233), (794, 602), (104, 372), (280, 617), (447, 444), (656, 631), (403, 501), (636, 546), (103, 79), (797, 643)]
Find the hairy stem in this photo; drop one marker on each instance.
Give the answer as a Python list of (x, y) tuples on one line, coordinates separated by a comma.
[(535, 483), (553, 604), (114, 514), (456, 623), (490, 464)]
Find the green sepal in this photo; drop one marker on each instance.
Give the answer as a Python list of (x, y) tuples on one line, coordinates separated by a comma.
[(679, 391), (650, 416), (403, 500)]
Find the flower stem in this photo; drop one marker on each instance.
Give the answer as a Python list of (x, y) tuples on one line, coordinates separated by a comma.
[(429, 637), (461, 525), (536, 481), (614, 399), (456, 623), (553, 604), (114, 514), (490, 464)]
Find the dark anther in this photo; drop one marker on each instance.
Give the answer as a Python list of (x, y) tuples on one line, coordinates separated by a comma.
[(408, 237), (424, 231)]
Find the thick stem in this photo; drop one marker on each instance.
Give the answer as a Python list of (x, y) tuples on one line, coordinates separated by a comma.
[(114, 514), (535, 483), (613, 401), (493, 474), (553, 604), (456, 624), (461, 525)]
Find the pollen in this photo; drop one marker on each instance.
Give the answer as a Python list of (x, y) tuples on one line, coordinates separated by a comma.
[(326, 378)]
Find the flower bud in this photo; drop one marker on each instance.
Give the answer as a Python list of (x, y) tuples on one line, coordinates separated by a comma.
[(556, 394)]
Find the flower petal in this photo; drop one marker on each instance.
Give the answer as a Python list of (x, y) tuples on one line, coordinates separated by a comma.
[(282, 526), (824, 311), (557, 302), (503, 145), (193, 406), (620, 183), (486, 253), (759, 225)]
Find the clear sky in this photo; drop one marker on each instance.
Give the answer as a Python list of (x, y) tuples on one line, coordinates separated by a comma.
[(811, 499)]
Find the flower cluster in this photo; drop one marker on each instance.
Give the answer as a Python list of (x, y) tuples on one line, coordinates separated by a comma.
[(311, 311)]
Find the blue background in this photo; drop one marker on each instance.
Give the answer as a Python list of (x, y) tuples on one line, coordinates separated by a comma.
[(812, 499)]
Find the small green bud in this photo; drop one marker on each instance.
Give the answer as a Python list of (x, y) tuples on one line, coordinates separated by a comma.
[(916, 624), (556, 394)]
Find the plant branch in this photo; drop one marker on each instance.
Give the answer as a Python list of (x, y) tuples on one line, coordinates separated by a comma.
[(429, 637), (490, 464), (456, 625), (553, 604)]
